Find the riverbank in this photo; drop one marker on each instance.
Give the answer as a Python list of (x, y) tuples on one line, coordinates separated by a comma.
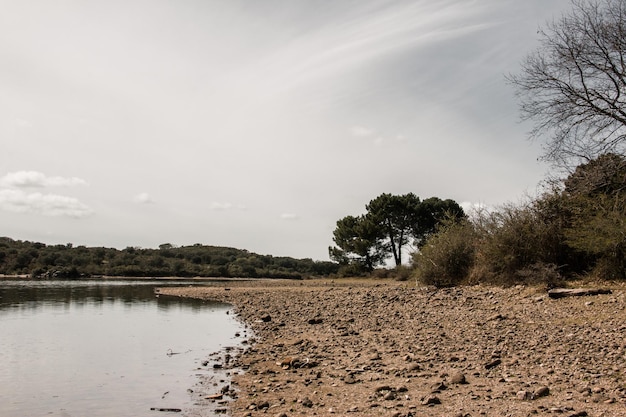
[(385, 348)]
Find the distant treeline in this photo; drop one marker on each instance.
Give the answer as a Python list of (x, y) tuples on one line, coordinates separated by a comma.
[(68, 261)]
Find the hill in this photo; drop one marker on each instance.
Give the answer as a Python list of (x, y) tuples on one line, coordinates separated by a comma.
[(67, 261)]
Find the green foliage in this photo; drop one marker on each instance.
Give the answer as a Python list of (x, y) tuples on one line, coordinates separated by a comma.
[(359, 244), (448, 255), (596, 197), (391, 224), (396, 217), (573, 230), (66, 261)]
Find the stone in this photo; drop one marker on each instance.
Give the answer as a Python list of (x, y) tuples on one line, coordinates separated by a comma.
[(577, 292), (493, 363), (307, 402), (266, 318), (524, 395), (390, 396), (458, 378), (438, 387), (431, 400), (541, 392), (349, 380)]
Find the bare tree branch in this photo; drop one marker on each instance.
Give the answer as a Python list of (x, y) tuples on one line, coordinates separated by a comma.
[(573, 86)]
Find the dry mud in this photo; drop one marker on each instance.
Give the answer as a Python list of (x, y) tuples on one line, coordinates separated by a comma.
[(384, 348)]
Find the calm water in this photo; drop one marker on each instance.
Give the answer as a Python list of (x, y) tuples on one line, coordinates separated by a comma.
[(100, 348)]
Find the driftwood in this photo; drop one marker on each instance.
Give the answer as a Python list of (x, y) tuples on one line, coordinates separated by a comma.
[(576, 292)]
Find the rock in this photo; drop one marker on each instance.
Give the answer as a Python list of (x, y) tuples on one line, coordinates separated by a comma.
[(390, 396), (307, 402), (524, 395), (458, 378), (349, 380), (438, 387), (431, 400), (266, 318), (415, 367), (263, 406), (541, 392), (316, 320), (493, 363), (578, 292)]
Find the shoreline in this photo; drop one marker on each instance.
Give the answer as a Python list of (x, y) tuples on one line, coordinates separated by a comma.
[(379, 347)]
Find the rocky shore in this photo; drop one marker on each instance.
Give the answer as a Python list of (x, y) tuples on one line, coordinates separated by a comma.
[(385, 348)]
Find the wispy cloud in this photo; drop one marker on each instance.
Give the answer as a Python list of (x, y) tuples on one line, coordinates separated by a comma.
[(363, 35), (360, 131), (226, 206), (19, 201), (143, 198), (35, 179), (376, 138)]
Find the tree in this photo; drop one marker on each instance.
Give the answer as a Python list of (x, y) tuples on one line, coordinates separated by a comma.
[(574, 85), (359, 241), (596, 197), (396, 216), (432, 212), (391, 223)]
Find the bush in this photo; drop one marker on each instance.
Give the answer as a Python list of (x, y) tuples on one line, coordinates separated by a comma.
[(514, 239), (447, 256)]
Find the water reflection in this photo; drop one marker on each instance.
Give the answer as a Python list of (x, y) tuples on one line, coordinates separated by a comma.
[(34, 294), (99, 348)]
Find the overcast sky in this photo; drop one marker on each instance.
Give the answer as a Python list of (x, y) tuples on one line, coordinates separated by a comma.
[(255, 124)]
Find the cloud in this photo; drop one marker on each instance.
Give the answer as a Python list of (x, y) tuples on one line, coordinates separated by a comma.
[(360, 131), (34, 179), (143, 198), (22, 123), (18, 201), (226, 206), (289, 216)]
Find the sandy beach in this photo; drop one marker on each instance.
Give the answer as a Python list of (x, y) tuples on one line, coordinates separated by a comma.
[(387, 348)]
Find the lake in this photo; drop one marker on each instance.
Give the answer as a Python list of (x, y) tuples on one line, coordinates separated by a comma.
[(105, 347)]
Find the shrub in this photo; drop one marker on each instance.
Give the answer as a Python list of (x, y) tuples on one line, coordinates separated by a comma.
[(447, 256), (514, 239)]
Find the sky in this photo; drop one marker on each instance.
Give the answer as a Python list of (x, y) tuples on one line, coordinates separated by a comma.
[(255, 124)]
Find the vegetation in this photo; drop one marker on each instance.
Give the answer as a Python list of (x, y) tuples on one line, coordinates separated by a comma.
[(577, 229), (391, 223), (573, 88), (66, 261), (573, 85)]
